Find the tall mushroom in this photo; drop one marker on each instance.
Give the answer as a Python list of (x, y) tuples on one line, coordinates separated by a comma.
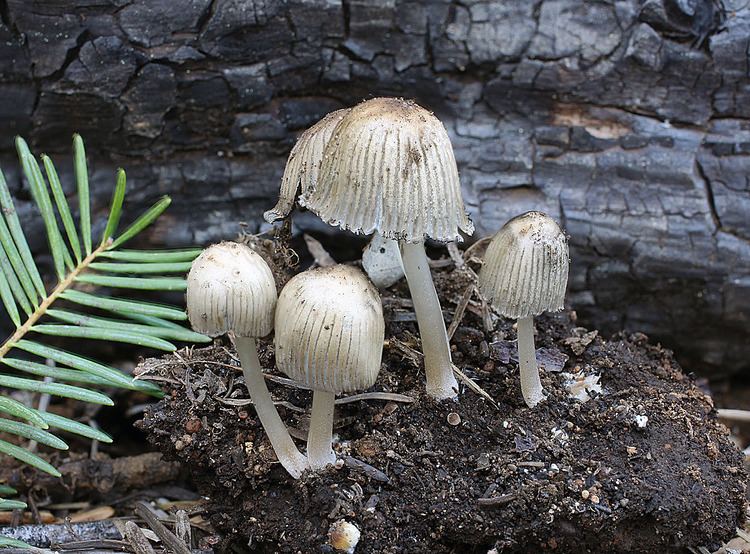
[(303, 164), (329, 336), (230, 288), (525, 273), (389, 167)]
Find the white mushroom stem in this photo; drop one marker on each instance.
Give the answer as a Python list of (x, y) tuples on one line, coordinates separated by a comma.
[(286, 451), (531, 385), (441, 383), (320, 436)]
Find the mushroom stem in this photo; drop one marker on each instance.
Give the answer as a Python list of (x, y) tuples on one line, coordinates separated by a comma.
[(320, 436), (441, 383), (286, 451), (531, 385)]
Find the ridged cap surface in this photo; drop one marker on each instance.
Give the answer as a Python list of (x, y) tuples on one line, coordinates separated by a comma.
[(330, 329), (303, 164), (525, 269), (231, 288), (389, 167)]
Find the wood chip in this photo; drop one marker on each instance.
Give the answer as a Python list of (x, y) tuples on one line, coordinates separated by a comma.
[(182, 527), (137, 539), (319, 253), (95, 514), (46, 517), (367, 469)]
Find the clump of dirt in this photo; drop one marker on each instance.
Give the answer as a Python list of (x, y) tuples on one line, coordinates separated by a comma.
[(642, 465)]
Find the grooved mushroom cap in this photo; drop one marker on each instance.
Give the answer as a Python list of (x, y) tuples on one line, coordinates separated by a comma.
[(303, 164), (389, 167), (231, 288), (330, 329), (525, 269)]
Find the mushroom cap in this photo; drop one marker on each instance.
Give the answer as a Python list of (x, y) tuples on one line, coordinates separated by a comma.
[(330, 329), (389, 167), (525, 269), (303, 164), (231, 288)]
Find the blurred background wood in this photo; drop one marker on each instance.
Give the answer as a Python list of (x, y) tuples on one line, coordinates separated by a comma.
[(626, 119)]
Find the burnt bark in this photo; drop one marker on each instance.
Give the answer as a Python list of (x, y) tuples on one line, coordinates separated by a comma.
[(626, 119)]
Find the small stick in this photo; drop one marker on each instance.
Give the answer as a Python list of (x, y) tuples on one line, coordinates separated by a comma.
[(734, 415), (460, 309), (167, 537), (530, 464), (495, 501), (137, 539)]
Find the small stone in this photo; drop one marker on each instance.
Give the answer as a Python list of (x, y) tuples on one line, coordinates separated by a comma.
[(193, 425), (584, 494), (594, 499), (454, 419)]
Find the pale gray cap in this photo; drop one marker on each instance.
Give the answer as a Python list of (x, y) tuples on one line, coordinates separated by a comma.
[(330, 329), (525, 269), (303, 164), (231, 288), (389, 167)]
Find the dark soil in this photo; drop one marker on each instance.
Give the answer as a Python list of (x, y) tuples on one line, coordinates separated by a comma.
[(467, 476)]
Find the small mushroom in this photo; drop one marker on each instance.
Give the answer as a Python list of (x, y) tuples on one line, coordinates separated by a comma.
[(343, 536), (303, 164), (389, 168), (525, 273), (230, 288), (329, 336)]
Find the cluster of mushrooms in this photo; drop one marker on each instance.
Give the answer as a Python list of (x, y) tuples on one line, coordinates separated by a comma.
[(385, 167)]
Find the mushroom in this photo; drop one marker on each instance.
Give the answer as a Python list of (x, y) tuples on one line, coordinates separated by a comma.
[(329, 337), (303, 164), (389, 167), (230, 288), (525, 273)]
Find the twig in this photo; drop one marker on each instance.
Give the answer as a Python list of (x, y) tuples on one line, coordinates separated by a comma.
[(167, 537), (495, 501), (460, 310), (387, 396), (530, 464), (734, 415), (469, 382), (137, 539)]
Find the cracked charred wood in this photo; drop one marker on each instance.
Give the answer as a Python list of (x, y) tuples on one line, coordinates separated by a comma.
[(628, 120)]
